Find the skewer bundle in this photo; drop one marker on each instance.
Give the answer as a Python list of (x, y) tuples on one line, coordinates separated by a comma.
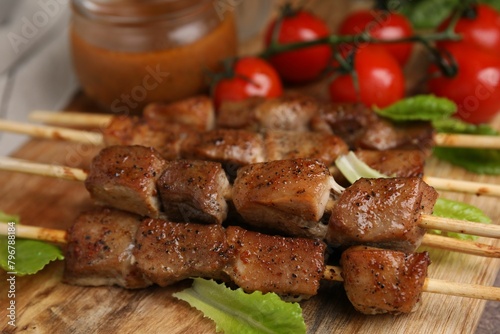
[(173, 130), (292, 112), (428, 285)]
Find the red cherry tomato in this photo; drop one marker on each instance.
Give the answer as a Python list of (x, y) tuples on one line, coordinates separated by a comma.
[(381, 25), (482, 31), (252, 77), (381, 79), (476, 87), (305, 64)]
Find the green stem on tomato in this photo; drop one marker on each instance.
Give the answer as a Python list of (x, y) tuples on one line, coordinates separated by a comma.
[(458, 13), (333, 39)]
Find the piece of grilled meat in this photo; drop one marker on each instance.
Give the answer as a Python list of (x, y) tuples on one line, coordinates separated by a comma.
[(382, 213), (125, 177), (290, 267), (288, 196), (194, 191), (169, 252), (291, 112), (383, 281), (100, 250)]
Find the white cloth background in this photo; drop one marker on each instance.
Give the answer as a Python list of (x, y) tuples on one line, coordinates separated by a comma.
[(35, 63)]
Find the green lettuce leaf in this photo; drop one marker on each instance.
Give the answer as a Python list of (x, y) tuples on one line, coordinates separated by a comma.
[(479, 161), (353, 168), (418, 108), (235, 311), (30, 256), (457, 210), (454, 125), (428, 14)]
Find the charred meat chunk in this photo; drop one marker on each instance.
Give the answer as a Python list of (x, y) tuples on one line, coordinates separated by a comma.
[(230, 147), (384, 135), (194, 191), (346, 120), (166, 139), (196, 112), (395, 163), (169, 252), (292, 112), (360, 127), (100, 250), (288, 196), (381, 212), (125, 177), (383, 281), (290, 267), (283, 145)]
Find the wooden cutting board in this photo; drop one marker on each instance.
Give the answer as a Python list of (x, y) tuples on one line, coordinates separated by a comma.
[(45, 305)]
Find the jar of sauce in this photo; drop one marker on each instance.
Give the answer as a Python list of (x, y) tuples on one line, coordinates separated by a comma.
[(128, 53)]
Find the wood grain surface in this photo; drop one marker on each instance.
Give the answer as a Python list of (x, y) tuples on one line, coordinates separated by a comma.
[(45, 305)]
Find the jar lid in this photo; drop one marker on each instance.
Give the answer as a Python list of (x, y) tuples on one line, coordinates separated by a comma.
[(138, 11)]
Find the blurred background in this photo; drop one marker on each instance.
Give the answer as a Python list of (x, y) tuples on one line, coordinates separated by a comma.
[(36, 70)]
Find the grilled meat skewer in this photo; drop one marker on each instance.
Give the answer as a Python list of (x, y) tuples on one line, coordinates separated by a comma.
[(289, 196), (102, 251), (295, 194), (161, 252)]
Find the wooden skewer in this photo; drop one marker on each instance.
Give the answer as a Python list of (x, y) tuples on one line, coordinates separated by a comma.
[(463, 186), (98, 120), (332, 273), (462, 246), (426, 221), (28, 167), (71, 118), (460, 226), (467, 141), (35, 233), (94, 138), (51, 132)]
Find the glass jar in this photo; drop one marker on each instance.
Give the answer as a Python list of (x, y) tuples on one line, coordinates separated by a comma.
[(128, 53)]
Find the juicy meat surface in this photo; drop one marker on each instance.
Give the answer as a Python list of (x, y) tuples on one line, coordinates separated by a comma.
[(290, 267), (283, 145), (100, 250), (360, 127), (230, 147), (396, 163), (169, 252), (381, 212), (346, 120), (384, 135), (194, 191), (167, 139), (288, 196), (239, 114), (383, 281), (125, 177), (196, 112), (292, 112)]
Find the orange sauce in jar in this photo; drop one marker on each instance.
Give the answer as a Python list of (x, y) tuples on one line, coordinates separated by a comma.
[(128, 53)]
